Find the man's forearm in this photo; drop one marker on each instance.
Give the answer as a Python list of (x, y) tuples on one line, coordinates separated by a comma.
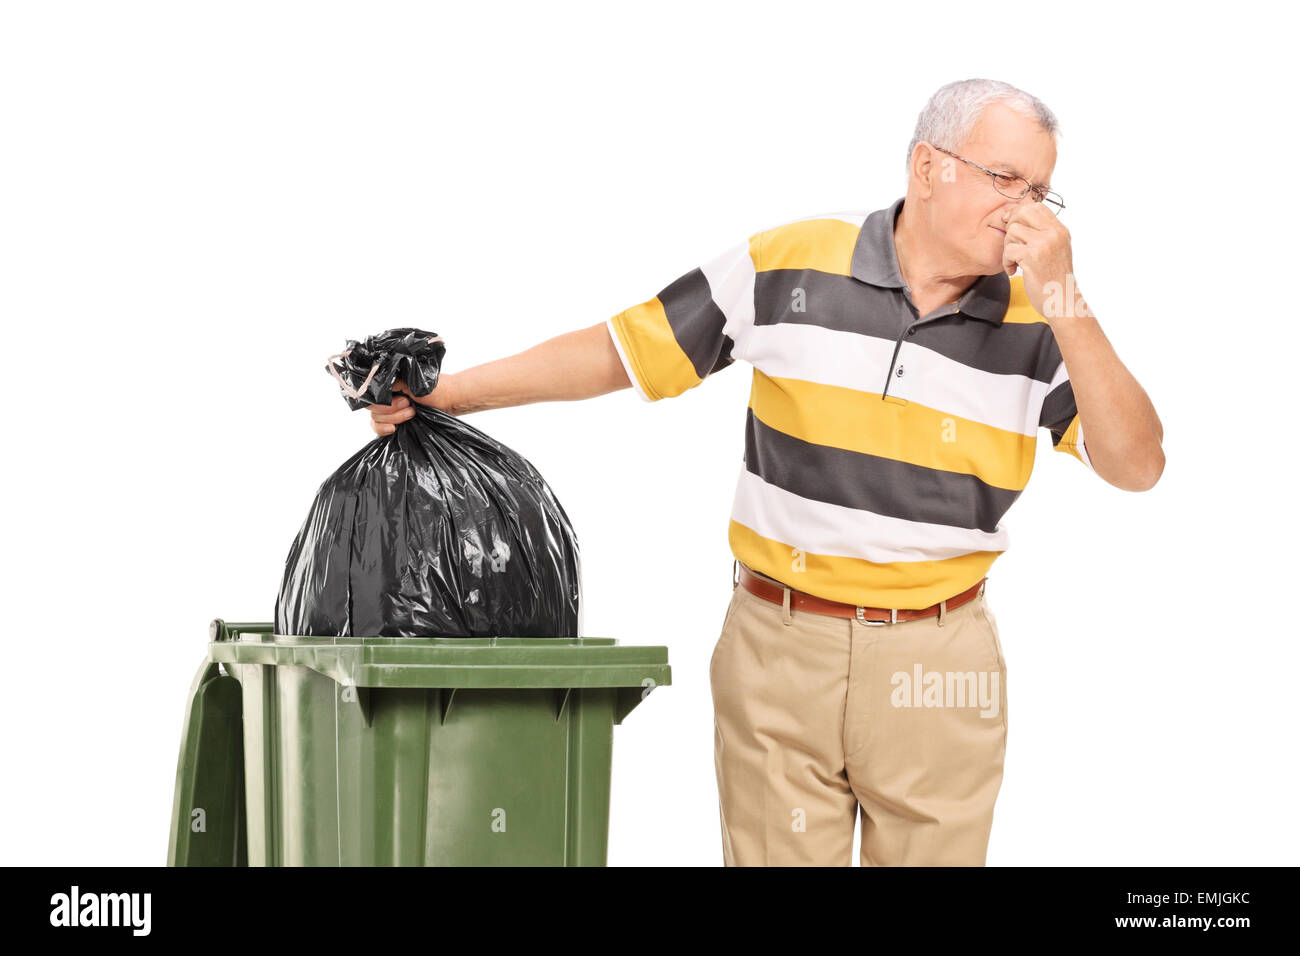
[(1122, 432), (576, 365)]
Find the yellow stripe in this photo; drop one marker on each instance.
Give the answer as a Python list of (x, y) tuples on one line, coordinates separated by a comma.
[(1019, 311), (899, 584), (1070, 440), (662, 368), (825, 245), (913, 433)]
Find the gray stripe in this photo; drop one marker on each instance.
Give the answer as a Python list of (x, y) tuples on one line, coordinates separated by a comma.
[(697, 323), (867, 482), (1058, 411), (842, 304)]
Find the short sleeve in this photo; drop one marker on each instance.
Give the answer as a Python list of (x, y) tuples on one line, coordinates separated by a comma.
[(684, 334), (1060, 417)]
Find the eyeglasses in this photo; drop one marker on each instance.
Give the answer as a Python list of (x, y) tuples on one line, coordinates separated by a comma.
[(1014, 187)]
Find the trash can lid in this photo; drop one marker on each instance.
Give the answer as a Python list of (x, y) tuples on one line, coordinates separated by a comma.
[(450, 662)]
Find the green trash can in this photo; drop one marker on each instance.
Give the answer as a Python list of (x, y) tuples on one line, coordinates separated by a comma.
[(301, 751)]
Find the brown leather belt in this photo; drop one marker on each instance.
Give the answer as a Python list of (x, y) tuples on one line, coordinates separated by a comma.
[(802, 601)]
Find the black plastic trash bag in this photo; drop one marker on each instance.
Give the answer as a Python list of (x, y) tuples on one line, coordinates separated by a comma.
[(434, 531)]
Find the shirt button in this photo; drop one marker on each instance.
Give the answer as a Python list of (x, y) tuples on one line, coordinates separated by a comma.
[(911, 331), (899, 373)]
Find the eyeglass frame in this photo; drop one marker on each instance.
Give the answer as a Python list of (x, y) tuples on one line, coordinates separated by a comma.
[(1058, 202)]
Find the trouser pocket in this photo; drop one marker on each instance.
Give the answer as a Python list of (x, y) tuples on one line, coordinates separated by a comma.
[(736, 597)]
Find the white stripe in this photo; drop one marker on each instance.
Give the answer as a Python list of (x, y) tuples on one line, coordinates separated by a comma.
[(731, 283), (1006, 401), (1083, 452), (1062, 375), (627, 366), (852, 360), (823, 528)]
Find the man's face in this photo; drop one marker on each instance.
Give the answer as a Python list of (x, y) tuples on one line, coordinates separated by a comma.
[(968, 211)]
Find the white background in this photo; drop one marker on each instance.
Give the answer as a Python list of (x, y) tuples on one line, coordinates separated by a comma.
[(200, 202)]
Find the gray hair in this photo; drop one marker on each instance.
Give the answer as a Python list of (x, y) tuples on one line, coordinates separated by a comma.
[(950, 116)]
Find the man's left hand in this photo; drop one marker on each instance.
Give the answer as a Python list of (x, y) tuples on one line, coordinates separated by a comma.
[(1038, 243)]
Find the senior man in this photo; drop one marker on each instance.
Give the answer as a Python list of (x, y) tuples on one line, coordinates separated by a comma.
[(904, 361)]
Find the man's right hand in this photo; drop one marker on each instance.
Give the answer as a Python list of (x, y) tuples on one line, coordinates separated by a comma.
[(384, 419), (576, 365)]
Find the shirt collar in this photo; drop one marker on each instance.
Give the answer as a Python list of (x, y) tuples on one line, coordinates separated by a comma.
[(876, 262)]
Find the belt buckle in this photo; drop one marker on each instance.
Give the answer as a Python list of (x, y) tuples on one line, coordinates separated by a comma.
[(893, 617)]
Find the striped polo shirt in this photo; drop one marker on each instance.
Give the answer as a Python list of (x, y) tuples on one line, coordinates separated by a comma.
[(882, 447)]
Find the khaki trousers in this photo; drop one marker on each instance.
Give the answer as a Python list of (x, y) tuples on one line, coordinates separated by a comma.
[(816, 716)]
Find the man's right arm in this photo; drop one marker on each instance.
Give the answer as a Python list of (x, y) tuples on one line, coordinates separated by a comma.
[(576, 365), (670, 343)]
